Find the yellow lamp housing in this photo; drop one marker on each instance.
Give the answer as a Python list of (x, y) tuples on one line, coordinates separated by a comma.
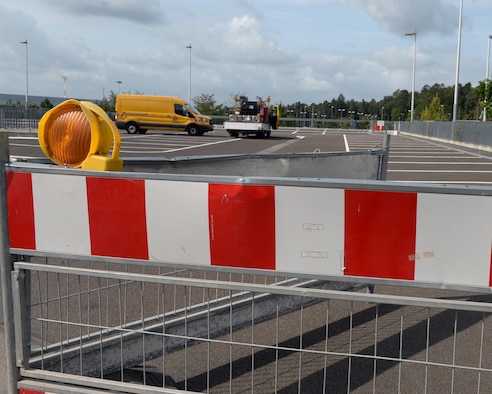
[(79, 134)]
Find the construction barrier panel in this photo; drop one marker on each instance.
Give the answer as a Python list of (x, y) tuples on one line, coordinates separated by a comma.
[(325, 229), (152, 282)]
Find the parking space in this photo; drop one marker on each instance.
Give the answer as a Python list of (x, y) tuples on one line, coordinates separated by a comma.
[(411, 158), (163, 144), (420, 160)]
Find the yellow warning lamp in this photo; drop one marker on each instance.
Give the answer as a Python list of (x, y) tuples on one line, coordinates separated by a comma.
[(79, 134)]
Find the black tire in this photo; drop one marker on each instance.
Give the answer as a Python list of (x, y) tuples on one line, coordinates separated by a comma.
[(131, 128), (193, 130), (260, 134), (234, 134)]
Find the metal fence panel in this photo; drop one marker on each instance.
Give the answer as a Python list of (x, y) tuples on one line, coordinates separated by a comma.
[(19, 118), (310, 339), (467, 132)]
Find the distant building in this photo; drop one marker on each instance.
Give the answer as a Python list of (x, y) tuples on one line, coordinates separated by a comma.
[(13, 99)]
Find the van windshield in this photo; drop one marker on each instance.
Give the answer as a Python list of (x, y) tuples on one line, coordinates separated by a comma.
[(190, 108)]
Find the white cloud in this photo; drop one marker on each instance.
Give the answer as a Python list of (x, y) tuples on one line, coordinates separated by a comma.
[(425, 16), (242, 40)]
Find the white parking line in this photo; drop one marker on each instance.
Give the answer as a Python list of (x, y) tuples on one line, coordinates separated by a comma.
[(280, 146), (182, 148), (347, 148)]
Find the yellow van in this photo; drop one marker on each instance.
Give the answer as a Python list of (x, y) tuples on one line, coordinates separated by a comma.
[(137, 113)]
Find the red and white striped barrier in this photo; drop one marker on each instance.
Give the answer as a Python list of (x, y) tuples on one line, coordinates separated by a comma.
[(425, 237)]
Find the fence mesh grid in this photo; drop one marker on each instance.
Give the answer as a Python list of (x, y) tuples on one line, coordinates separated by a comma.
[(205, 336)]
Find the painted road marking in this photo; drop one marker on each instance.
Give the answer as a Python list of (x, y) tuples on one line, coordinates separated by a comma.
[(182, 148)]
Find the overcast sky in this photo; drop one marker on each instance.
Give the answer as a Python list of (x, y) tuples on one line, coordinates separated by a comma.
[(291, 50)]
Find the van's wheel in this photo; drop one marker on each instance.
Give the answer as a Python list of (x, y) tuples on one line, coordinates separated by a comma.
[(234, 134), (131, 128), (193, 130)]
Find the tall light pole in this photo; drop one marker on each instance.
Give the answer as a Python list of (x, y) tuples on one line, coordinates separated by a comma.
[(341, 110), (486, 80), (64, 86), (458, 52), (414, 34), (189, 77), (119, 84), (27, 73)]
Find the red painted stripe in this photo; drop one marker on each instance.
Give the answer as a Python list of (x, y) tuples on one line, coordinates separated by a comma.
[(242, 226), (27, 391), (20, 211), (117, 218), (380, 234)]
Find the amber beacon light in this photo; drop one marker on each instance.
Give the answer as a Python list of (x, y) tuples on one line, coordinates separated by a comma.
[(79, 134)]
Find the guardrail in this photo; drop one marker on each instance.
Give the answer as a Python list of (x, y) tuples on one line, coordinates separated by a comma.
[(474, 133)]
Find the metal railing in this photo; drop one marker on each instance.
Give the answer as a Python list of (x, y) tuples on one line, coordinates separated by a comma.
[(143, 328), (19, 118), (466, 132)]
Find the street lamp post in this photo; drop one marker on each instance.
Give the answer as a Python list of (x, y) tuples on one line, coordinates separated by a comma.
[(414, 34), (486, 79), (119, 84), (189, 78), (65, 86), (27, 73), (458, 52)]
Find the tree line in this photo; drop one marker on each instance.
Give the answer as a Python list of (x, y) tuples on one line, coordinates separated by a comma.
[(430, 103)]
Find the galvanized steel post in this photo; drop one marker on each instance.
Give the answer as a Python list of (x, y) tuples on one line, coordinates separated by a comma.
[(5, 272)]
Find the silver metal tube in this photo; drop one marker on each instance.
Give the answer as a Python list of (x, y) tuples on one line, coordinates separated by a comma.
[(458, 52), (486, 79), (5, 271)]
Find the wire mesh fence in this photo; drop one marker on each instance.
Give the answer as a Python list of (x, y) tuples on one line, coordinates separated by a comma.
[(20, 118), (99, 325)]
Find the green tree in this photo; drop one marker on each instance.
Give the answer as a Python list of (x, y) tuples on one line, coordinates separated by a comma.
[(207, 105), (46, 104), (484, 95), (435, 111)]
